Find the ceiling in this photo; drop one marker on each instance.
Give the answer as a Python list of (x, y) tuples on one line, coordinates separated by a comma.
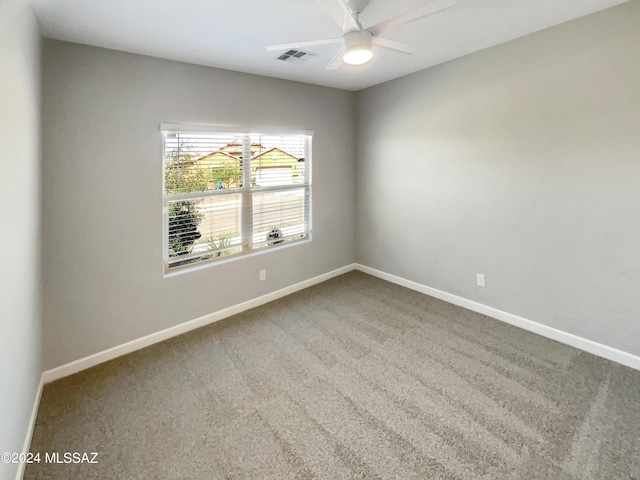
[(231, 34)]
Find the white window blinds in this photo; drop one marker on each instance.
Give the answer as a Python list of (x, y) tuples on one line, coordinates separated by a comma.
[(232, 193)]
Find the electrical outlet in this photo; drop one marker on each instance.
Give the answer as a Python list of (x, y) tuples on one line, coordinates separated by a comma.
[(263, 275), (480, 280)]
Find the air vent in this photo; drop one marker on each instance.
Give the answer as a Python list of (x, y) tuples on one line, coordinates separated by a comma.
[(296, 56)]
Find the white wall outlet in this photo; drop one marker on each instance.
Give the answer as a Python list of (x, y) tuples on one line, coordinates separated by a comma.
[(480, 280), (263, 275)]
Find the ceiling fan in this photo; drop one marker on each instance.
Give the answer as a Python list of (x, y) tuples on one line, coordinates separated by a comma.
[(358, 42)]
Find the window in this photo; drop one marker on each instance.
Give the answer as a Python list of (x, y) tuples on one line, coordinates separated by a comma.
[(232, 192)]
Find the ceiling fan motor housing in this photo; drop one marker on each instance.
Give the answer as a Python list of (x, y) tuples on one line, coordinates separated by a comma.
[(353, 40)]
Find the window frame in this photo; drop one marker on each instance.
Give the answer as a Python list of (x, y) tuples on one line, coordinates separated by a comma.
[(246, 193)]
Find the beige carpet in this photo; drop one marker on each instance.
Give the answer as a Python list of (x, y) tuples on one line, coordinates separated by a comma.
[(353, 378)]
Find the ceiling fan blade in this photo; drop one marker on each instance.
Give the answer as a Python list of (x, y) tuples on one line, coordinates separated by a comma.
[(308, 43), (341, 14), (393, 45), (395, 22), (336, 62)]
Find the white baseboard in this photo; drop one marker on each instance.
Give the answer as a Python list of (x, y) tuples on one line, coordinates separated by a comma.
[(111, 353), (31, 427), (581, 343)]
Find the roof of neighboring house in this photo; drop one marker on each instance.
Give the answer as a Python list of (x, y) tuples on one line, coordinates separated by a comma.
[(274, 149), (236, 148), (236, 144), (224, 151), (218, 152)]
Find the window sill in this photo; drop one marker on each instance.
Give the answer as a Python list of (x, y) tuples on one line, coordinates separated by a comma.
[(200, 266)]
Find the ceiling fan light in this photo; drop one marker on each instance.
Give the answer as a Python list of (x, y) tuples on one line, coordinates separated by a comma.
[(357, 55)]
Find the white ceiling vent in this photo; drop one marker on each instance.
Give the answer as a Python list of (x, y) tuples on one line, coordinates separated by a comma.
[(296, 56)]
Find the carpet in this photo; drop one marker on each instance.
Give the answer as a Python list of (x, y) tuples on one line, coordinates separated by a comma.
[(352, 378)]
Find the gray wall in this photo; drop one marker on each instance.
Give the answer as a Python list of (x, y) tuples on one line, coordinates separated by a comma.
[(521, 162), (20, 318), (102, 192)]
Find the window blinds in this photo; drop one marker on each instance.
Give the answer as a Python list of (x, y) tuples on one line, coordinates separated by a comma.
[(228, 193)]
